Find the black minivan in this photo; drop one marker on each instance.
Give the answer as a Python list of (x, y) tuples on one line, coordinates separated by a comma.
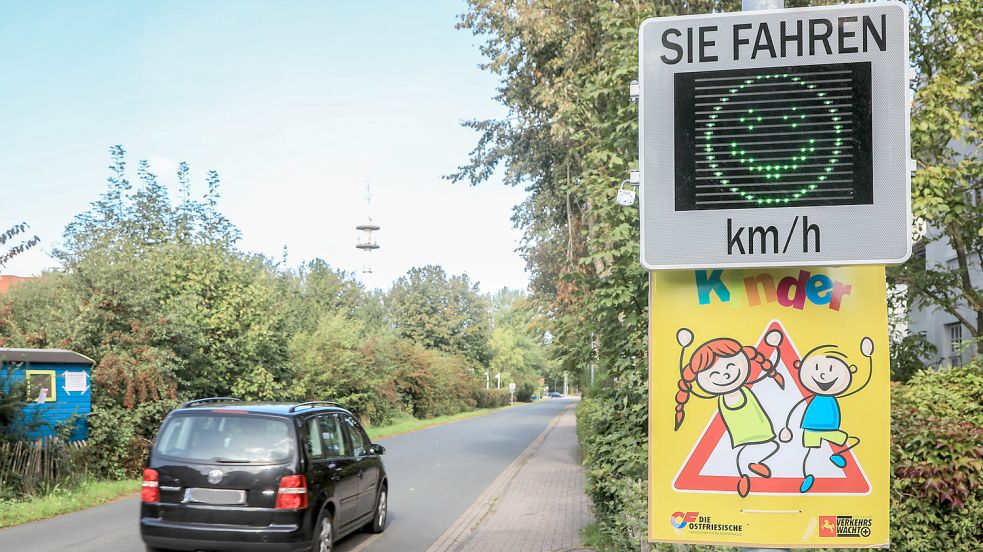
[(229, 475)]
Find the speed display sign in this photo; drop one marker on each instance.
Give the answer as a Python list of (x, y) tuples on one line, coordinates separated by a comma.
[(775, 138), (784, 136)]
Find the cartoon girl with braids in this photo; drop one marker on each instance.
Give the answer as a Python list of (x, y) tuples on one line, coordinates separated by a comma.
[(722, 369)]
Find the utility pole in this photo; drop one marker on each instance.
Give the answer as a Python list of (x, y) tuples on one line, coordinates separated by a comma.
[(566, 385), (487, 380), (498, 378)]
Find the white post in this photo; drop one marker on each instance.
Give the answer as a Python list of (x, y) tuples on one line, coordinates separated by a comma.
[(498, 378), (593, 360), (487, 380)]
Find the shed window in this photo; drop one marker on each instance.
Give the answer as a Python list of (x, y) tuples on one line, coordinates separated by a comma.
[(41, 382)]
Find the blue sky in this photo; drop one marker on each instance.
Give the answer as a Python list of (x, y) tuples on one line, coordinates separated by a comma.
[(297, 104)]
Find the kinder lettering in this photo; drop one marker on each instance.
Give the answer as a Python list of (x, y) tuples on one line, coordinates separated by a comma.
[(790, 291)]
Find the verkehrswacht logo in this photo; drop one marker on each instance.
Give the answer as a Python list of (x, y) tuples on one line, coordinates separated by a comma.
[(844, 526)]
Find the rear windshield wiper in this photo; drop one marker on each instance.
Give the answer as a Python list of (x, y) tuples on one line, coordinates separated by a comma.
[(231, 461)]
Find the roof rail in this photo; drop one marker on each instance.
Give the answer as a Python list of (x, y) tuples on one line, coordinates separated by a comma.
[(208, 400), (311, 404)]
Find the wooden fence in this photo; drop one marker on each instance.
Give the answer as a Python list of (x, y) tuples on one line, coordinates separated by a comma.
[(31, 466)]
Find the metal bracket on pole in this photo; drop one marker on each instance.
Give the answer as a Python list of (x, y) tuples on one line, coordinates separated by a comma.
[(750, 5)]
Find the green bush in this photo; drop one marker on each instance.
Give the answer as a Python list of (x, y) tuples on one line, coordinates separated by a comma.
[(937, 458), (525, 392), (433, 383), (491, 398), (120, 438), (612, 426), (12, 393), (907, 354)]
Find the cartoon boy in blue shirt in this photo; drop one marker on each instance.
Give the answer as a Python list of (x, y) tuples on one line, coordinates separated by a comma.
[(826, 373)]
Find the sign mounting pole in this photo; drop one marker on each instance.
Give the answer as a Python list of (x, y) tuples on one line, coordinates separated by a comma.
[(750, 5)]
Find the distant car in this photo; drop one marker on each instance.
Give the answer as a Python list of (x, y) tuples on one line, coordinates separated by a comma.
[(555, 395), (228, 475)]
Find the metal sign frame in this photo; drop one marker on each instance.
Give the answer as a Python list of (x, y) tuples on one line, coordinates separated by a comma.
[(874, 230), (786, 489)]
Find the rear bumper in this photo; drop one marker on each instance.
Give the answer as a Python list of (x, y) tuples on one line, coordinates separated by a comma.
[(198, 536)]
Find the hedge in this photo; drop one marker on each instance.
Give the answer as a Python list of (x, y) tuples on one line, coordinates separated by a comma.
[(491, 398)]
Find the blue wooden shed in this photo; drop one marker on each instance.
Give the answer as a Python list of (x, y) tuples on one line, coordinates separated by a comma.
[(58, 388)]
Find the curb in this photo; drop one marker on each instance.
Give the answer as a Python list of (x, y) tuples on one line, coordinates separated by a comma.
[(459, 532)]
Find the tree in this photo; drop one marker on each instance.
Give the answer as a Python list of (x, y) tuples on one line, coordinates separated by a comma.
[(442, 313), (517, 352), (315, 288), (947, 143), (10, 250)]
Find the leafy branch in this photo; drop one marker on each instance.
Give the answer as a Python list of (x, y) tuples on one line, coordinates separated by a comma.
[(14, 250)]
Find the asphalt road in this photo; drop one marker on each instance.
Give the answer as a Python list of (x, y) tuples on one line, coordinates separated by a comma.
[(434, 475)]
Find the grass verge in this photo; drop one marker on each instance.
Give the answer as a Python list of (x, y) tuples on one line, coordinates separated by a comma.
[(592, 537), (409, 424), (85, 494)]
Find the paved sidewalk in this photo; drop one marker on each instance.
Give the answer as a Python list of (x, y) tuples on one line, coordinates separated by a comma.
[(538, 505)]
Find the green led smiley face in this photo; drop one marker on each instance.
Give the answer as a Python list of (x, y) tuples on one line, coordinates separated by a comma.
[(772, 146)]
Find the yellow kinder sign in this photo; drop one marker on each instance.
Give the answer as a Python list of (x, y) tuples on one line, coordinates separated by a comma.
[(769, 409)]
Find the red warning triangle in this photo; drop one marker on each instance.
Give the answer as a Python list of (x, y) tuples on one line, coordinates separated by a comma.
[(695, 476)]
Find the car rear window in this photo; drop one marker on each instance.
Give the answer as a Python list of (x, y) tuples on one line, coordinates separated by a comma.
[(212, 437)]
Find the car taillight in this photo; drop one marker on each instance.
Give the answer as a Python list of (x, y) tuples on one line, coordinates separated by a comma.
[(150, 491), (292, 494)]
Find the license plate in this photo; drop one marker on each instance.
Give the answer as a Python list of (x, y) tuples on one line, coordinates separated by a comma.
[(222, 497)]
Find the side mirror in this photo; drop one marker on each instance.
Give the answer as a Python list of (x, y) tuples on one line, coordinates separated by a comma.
[(377, 449)]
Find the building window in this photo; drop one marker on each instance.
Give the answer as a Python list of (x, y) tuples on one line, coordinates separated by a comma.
[(954, 338), (918, 249), (41, 386)]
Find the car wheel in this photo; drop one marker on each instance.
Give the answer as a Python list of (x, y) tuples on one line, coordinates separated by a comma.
[(324, 533), (378, 523)]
